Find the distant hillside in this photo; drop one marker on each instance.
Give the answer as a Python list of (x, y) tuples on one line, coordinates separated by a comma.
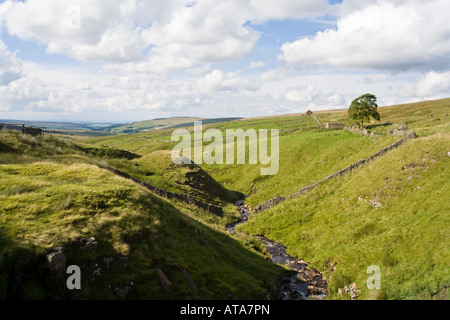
[(64, 128), (58, 125), (160, 124)]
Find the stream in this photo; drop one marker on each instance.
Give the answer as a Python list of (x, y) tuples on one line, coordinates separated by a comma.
[(302, 283)]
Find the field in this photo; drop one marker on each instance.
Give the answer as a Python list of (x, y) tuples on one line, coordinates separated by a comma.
[(392, 213)]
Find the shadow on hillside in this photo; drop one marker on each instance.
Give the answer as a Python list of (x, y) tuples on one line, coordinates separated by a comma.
[(6, 148), (373, 126), (198, 262), (199, 179)]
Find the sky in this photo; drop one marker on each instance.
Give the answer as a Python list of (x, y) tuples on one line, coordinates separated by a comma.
[(133, 60)]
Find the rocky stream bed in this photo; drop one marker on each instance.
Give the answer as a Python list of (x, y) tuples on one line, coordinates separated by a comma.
[(303, 282)]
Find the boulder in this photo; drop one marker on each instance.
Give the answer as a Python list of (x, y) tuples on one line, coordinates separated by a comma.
[(189, 279), (165, 283), (88, 244), (56, 262)]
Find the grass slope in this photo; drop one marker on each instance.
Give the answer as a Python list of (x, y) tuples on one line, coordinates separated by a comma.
[(51, 197), (408, 237)]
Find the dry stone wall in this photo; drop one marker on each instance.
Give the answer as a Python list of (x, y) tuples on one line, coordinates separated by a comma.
[(272, 202), (169, 195)]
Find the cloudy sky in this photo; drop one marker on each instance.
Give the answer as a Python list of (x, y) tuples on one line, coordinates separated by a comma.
[(128, 60)]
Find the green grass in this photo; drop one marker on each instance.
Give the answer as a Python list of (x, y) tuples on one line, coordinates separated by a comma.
[(408, 237), (61, 195), (47, 204)]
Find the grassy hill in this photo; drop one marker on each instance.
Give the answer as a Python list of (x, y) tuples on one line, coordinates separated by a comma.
[(160, 124), (335, 227), (53, 196), (407, 236)]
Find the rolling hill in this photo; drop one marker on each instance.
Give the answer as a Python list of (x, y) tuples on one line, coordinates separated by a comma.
[(392, 212)]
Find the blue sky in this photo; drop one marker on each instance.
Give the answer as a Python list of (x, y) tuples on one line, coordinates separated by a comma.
[(130, 60)]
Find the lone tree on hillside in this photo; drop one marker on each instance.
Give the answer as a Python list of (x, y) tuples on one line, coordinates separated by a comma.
[(363, 108)]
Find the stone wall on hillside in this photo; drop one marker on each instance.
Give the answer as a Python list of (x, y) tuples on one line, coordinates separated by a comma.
[(170, 195), (272, 202), (334, 125)]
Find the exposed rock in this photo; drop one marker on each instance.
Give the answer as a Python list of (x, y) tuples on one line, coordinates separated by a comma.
[(165, 283), (189, 279), (116, 263), (303, 283), (122, 289), (351, 290), (88, 244), (92, 270), (107, 261), (398, 132), (375, 204), (56, 261)]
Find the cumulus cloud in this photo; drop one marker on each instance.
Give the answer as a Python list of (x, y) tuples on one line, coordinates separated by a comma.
[(289, 9), (401, 35), (10, 66), (430, 85), (165, 58), (302, 94), (257, 64), (217, 81), (171, 34)]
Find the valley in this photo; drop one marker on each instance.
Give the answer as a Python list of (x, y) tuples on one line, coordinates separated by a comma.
[(391, 212)]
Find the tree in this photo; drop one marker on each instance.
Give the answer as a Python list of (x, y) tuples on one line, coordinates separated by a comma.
[(364, 108)]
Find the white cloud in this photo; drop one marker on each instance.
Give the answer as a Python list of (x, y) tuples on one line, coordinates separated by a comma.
[(217, 81), (257, 64), (157, 35), (159, 58), (289, 9), (303, 94), (87, 30), (10, 66), (430, 85), (381, 35), (275, 74)]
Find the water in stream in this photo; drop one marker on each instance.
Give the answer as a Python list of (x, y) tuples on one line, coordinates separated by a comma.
[(303, 283)]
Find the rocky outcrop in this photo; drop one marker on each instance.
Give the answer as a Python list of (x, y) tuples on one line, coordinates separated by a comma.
[(88, 244), (56, 262), (351, 291), (116, 263), (189, 279), (165, 283)]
